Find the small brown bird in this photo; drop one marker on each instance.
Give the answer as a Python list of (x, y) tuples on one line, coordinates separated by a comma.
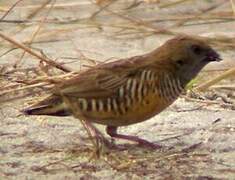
[(131, 90)]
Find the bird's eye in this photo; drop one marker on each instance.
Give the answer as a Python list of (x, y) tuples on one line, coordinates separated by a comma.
[(196, 49), (180, 62)]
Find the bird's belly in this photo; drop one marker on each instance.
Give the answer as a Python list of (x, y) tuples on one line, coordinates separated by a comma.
[(139, 111)]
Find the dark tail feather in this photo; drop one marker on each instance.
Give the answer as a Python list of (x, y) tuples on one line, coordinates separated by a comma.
[(44, 111), (51, 106)]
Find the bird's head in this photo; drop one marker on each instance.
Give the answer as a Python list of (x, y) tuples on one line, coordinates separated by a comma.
[(188, 55)]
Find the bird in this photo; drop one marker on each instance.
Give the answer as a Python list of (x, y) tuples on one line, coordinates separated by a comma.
[(130, 90)]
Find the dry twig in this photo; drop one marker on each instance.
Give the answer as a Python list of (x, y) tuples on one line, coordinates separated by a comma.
[(28, 50)]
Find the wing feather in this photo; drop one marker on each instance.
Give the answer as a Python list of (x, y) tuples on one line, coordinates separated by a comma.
[(103, 80)]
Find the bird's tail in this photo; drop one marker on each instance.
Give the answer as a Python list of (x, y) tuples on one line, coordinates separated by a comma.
[(51, 106)]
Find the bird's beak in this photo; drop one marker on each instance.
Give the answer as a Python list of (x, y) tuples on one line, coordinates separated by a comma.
[(213, 56)]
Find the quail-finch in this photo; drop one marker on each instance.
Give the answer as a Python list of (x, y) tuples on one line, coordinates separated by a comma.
[(130, 90)]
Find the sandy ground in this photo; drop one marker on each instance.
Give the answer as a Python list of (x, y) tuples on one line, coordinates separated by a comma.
[(201, 138), (198, 139)]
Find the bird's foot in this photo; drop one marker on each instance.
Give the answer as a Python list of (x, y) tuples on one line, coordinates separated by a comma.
[(140, 141), (145, 143), (112, 131)]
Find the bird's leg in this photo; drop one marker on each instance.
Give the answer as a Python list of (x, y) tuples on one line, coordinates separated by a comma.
[(98, 135), (112, 131)]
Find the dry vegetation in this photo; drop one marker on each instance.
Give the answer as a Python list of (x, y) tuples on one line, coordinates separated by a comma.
[(26, 71)]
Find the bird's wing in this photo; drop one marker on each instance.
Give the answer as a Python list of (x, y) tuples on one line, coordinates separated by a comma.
[(103, 80)]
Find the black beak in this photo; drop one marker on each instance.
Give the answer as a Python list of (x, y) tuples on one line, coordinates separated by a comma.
[(213, 56)]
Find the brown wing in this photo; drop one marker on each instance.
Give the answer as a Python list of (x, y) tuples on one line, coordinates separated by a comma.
[(98, 82), (103, 80)]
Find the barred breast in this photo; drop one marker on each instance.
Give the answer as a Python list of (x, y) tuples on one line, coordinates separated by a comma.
[(140, 98)]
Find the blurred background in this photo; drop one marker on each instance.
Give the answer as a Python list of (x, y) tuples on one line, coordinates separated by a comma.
[(105, 29)]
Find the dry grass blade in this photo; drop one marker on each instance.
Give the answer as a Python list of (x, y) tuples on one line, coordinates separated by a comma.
[(10, 9), (58, 5), (146, 28), (102, 8), (182, 22), (39, 27), (168, 4), (207, 84), (28, 50), (17, 91), (227, 87), (40, 8), (233, 6), (25, 85)]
